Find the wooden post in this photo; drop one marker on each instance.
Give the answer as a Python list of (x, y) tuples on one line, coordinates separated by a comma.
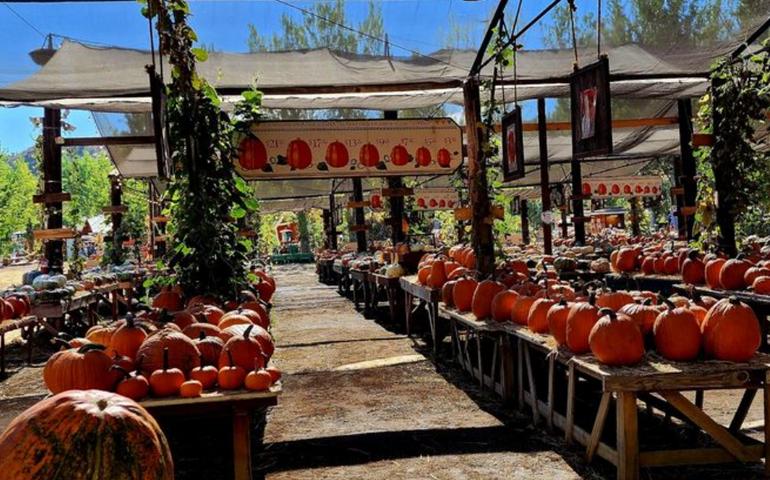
[(524, 221), (481, 223), (54, 249), (152, 213), (545, 189), (397, 234), (635, 216), (564, 224), (327, 222), (116, 197), (358, 214), (723, 185), (332, 232), (688, 166)]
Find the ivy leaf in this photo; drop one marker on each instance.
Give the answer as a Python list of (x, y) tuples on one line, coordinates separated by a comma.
[(211, 94), (241, 185), (148, 283), (237, 212), (200, 54), (247, 244), (252, 277), (251, 204)]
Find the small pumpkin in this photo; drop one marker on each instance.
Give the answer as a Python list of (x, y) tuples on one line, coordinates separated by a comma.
[(191, 389), (136, 387), (258, 379), (712, 271), (693, 269), (210, 348), (731, 276), (242, 351), (206, 374), (168, 300), (127, 339), (557, 321), (231, 376), (166, 381), (520, 309), (537, 318)]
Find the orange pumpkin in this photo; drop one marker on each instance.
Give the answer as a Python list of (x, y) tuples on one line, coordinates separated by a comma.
[(230, 375), (731, 331), (614, 300), (191, 389), (79, 369), (502, 304), (731, 276), (437, 276), (616, 340), (242, 351), (206, 374), (693, 270), (581, 319), (481, 305), (677, 334), (182, 352), (648, 265), (462, 293), (626, 260), (761, 285), (168, 300), (520, 310), (166, 381), (712, 271), (754, 272), (127, 338), (85, 434), (134, 387), (423, 274), (643, 313), (537, 319), (446, 293), (557, 321)]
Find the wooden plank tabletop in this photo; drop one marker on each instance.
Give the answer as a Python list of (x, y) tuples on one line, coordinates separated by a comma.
[(410, 285), (384, 281), (360, 275), (209, 399), (469, 320), (744, 296)]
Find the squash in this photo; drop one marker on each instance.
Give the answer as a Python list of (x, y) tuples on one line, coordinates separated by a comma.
[(481, 304), (565, 264), (557, 321), (731, 331), (87, 367), (581, 319), (677, 334), (537, 320), (83, 433), (616, 340), (182, 352), (731, 276), (502, 304)]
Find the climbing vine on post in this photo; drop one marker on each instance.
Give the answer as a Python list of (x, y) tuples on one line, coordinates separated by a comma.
[(206, 193), (734, 107)]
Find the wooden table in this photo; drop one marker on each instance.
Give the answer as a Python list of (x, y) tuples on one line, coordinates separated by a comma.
[(26, 324), (658, 383), (638, 281), (428, 298), (465, 330), (325, 272), (392, 288), (359, 283), (759, 303), (51, 315), (240, 405), (343, 279)]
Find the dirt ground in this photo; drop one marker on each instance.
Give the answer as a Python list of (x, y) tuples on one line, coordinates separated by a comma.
[(362, 401), (12, 275)]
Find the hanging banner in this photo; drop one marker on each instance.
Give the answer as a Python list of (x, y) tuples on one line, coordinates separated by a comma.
[(435, 198), (350, 148), (591, 112), (513, 146), (623, 187)]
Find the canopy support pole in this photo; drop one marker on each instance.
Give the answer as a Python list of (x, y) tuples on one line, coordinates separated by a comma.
[(635, 231), (325, 216), (152, 212), (723, 184), (524, 221), (52, 183), (358, 215), (481, 222), (116, 216), (689, 168), (578, 220), (545, 191), (332, 231), (564, 224), (396, 202)]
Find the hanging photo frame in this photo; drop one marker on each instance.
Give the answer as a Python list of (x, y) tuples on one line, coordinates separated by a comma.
[(513, 145), (591, 113)]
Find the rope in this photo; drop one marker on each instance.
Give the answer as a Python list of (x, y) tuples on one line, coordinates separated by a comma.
[(27, 22), (572, 9)]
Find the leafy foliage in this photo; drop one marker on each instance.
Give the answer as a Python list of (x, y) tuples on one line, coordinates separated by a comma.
[(17, 185), (206, 193)]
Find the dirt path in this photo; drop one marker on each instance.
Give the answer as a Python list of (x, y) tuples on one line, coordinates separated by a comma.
[(340, 418)]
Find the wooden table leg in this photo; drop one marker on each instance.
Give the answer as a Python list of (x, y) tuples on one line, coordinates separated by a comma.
[(569, 421), (766, 390), (432, 309), (480, 361), (506, 373), (2, 354), (627, 436), (242, 445), (408, 313)]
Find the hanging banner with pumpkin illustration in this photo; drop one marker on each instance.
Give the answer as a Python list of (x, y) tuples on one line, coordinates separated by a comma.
[(436, 199), (623, 187), (350, 148)]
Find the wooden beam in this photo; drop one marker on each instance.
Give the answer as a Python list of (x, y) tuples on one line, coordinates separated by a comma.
[(105, 141), (688, 165), (51, 197), (115, 209), (358, 204), (481, 231), (54, 234), (395, 192), (545, 187), (616, 124)]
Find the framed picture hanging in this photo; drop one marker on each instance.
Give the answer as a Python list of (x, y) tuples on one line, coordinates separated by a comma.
[(591, 113), (513, 145)]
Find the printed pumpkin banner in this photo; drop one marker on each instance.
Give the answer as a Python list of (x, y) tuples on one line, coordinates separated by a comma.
[(350, 148), (436, 199), (623, 187)]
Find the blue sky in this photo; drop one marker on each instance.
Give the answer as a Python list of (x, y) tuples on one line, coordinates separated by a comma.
[(418, 25)]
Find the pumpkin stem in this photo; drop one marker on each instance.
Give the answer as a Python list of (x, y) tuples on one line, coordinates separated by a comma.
[(592, 297), (165, 358), (608, 312), (88, 347), (122, 370), (693, 255), (130, 321), (647, 301), (65, 345), (734, 300), (669, 303), (248, 331), (201, 335), (563, 302), (230, 357)]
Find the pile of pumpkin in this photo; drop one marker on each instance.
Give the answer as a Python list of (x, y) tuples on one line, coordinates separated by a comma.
[(201, 346), (716, 271), (14, 306), (614, 325)]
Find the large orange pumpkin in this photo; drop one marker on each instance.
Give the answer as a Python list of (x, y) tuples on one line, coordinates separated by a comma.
[(210, 349), (712, 270), (79, 369), (462, 293), (446, 293), (626, 260), (437, 276), (127, 338), (182, 352), (244, 350), (677, 334), (502, 305), (481, 305), (643, 313), (616, 340), (537, 318), (581, 319), (693, 269), (614, 300), (731, 276), (168, 300), (731, 331), (82, 434), (423, 274), (520, 310), (557, 321), (754, 272)]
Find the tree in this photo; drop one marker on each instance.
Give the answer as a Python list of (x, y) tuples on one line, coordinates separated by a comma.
[(17, 185), (85, 177)]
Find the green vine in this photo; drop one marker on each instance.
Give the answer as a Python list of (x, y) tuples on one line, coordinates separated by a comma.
[(734, 107), (207, 195)]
